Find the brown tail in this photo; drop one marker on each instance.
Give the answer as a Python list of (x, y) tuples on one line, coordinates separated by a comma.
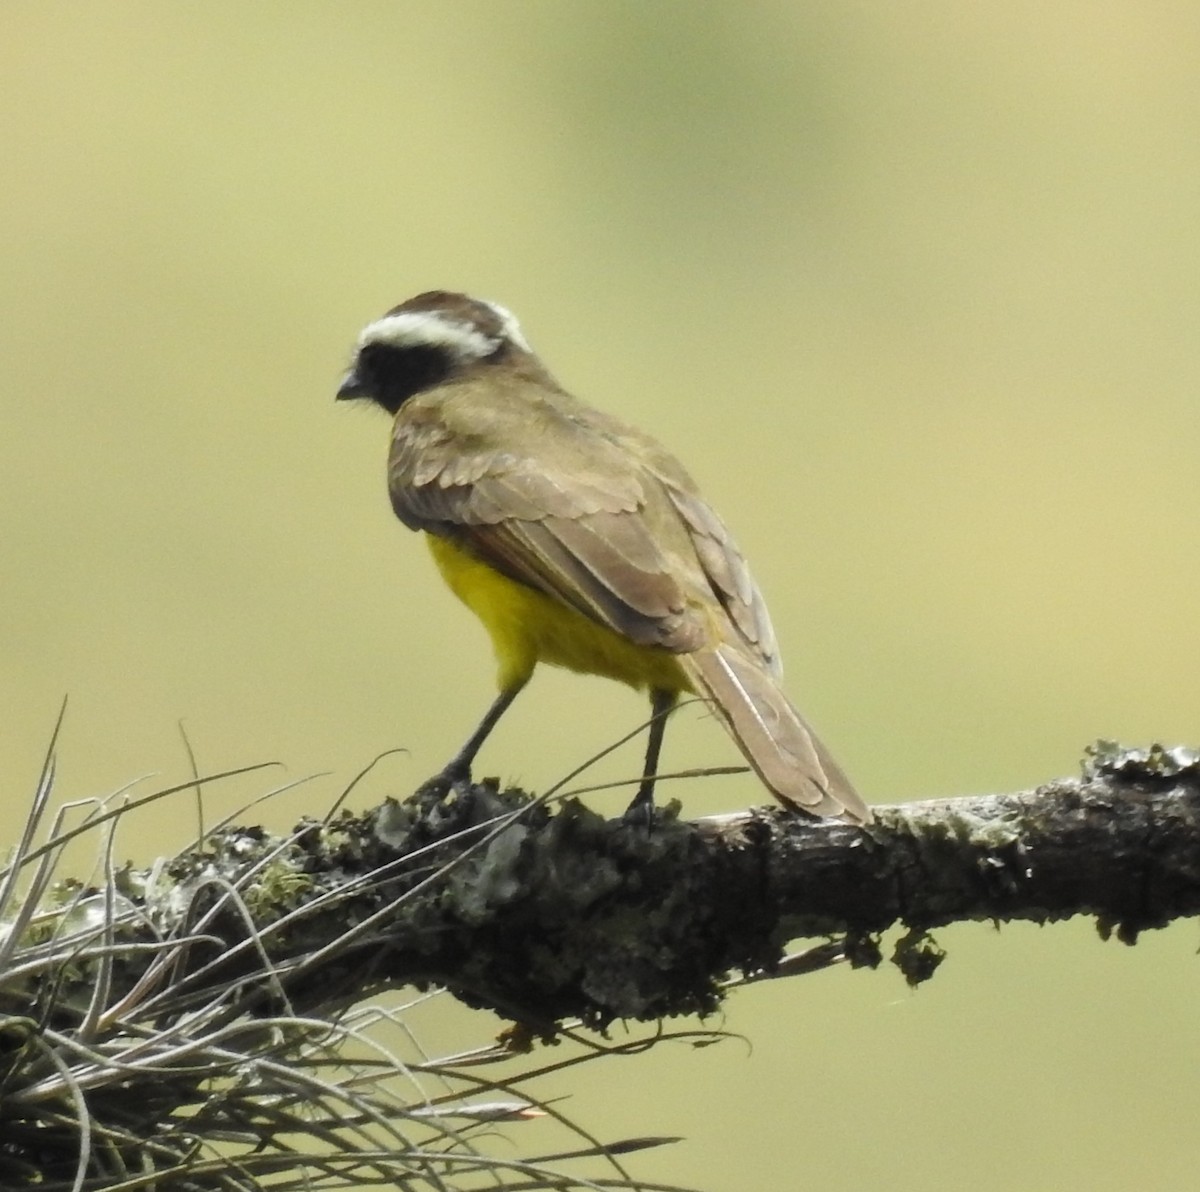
[(775, 738)]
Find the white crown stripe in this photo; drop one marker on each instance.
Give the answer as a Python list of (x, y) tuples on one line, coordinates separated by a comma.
[(433, 330), (511, 327)]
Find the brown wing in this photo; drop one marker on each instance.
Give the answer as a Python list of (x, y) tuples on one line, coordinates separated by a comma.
[(726, 573), (729, 576), (542, 497)]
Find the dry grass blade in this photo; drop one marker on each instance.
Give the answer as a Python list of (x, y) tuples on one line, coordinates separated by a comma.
[(151, 1036)]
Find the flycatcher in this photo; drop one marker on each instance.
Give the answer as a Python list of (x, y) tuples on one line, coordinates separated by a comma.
[(578, 541)]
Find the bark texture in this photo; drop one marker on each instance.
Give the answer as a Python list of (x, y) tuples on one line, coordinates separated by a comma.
[(546, 916)]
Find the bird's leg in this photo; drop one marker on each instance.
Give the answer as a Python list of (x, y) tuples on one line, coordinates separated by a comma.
[(458, 770), (641, 810)]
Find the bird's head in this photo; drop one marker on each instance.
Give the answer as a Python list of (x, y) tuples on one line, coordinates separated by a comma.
[(428, 340)]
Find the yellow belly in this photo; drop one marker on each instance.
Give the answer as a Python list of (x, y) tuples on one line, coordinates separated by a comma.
[(527, 627)]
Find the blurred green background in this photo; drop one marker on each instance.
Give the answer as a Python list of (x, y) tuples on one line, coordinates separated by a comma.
[(913, 289)]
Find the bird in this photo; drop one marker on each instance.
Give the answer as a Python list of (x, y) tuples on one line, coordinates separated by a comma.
[(578, 541)]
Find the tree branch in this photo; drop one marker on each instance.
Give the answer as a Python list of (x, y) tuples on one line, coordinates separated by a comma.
[(124, 1011), (551, 916)]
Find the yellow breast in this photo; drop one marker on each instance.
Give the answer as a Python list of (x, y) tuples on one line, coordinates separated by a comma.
[(527, 627)]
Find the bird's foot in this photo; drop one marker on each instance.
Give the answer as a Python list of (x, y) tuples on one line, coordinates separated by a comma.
[(454, 779), (640, 813)]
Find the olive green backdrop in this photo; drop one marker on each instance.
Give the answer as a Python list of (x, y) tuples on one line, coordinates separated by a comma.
[(913, 288)]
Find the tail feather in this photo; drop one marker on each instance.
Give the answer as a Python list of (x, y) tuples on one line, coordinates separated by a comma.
[(775, 738)]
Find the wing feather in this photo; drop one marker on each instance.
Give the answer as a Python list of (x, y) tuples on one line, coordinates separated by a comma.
[(729, 576), (570, 523)]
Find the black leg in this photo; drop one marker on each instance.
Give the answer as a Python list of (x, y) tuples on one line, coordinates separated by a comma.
[(458, 769), (641, 810)]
